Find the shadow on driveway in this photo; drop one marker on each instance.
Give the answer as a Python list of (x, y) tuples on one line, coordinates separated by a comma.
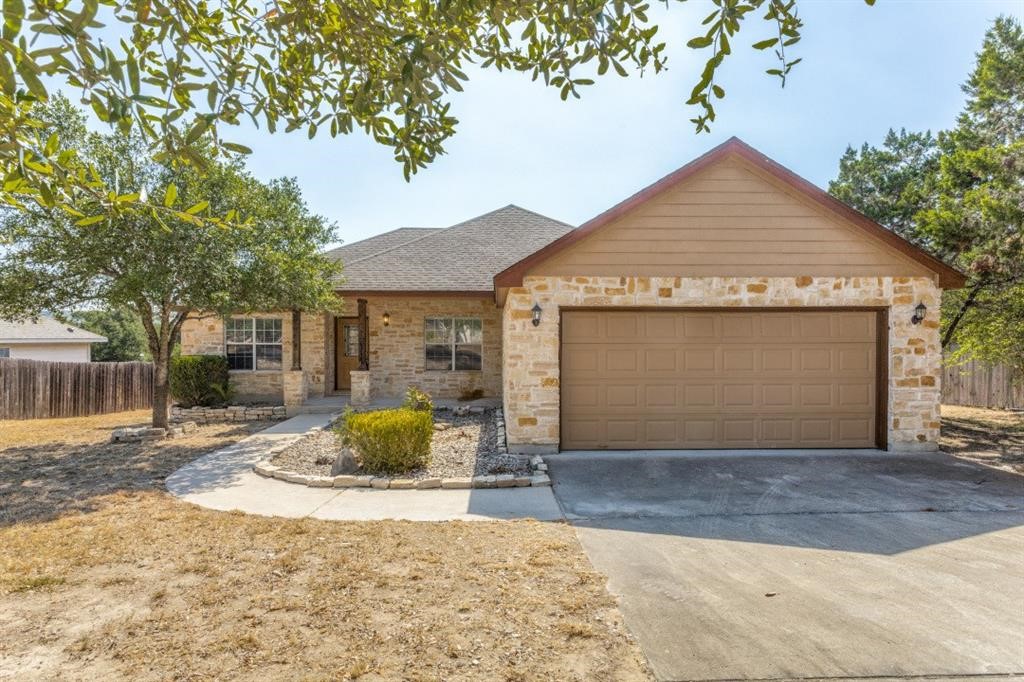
[(811, 565)]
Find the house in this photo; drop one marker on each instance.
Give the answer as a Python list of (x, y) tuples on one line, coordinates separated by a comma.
[(731, 304), (45, 338)]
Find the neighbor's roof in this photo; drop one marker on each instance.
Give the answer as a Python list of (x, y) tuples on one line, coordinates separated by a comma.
[(45, 330), (461, 258)]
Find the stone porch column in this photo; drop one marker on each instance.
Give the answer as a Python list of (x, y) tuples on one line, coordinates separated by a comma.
[(360, 395), (295, 390)]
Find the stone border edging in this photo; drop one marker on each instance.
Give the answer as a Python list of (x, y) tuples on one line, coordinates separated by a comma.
[(231, 413), (538, 477)]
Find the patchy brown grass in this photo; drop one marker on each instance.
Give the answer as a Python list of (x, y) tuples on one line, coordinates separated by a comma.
[(67, 430), (71, 463), (992, 437), (122, 581)]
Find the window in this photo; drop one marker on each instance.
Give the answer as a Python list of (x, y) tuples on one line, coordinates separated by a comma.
[(453, 343), (5, 352), (253, 342)]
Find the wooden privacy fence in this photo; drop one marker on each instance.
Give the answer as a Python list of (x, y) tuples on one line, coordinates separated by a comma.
[(978, 385), (34, 389)]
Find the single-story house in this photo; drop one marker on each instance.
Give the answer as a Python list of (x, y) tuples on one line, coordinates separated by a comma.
[(45, 338), (731, 304)]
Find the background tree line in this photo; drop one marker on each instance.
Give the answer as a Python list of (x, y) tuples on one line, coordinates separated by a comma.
[(960, 195)]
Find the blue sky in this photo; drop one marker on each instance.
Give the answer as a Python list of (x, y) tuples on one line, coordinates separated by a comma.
[(865, 70)]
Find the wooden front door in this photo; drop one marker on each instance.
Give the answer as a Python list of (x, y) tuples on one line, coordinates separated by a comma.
[(346, 351)]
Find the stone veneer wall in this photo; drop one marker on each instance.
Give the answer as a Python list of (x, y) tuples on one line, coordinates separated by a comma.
[(397, 351), (205, 336), (531, 370)]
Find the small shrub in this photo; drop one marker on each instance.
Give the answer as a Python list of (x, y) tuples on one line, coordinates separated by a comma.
[(389, 441), (471, 394), (192, 376), (222, 394), (415, 399)]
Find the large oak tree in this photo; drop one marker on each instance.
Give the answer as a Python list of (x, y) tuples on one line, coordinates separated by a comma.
[(165, 266)]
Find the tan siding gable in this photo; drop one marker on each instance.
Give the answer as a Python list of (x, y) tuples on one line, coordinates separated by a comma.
[(730, 220)]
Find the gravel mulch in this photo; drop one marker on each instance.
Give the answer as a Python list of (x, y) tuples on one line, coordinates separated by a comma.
[(465, 446)]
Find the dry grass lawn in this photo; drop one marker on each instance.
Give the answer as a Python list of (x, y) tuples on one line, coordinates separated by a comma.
[(992, 437), (105, 576)]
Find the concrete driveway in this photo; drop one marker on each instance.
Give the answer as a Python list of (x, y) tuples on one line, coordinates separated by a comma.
[(793, 565)]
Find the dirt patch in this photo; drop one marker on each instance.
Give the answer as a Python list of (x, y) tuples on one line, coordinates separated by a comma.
[(147, 587), (71, 463), (462, 446), (991, 437)]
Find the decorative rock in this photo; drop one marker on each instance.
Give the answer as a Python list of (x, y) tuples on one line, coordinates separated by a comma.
[(539, 481), (380, 483), (345, 481), (541, 467), (345, 463), (484, 481), (189, 427), (522, 481), (403, 484), (363, 481), (442, 426), (456, 483), (281, 475), (321, 482), (428, 483), (505, 481), (476, 409)]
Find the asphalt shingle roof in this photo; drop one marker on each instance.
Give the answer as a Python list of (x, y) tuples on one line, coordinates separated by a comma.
[(44, 329), (463, 257)]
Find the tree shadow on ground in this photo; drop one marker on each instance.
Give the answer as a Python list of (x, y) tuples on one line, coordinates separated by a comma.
[(977, 442), (43, 482)]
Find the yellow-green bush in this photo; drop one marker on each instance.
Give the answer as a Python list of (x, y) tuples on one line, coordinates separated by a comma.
[(389, 441)]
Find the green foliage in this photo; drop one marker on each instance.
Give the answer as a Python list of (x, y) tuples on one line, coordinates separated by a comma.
[(126, 337), (961, 196), (222, 394), (415, 399), (165, 268), (178, 73), (193, 376), (389, 441)]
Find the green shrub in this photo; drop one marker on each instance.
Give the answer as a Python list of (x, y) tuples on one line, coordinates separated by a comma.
[(192, 376), (415, 399), (389, 441)]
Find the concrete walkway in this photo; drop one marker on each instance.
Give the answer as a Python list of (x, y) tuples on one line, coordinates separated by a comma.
[(224, 480)]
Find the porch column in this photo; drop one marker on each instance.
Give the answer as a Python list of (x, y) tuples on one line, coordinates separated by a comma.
[(364, 335), (296, 339)]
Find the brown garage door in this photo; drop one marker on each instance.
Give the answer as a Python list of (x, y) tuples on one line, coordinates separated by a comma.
[(688, 379)]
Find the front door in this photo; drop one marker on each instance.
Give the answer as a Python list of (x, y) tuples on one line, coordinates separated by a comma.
[(346, 345)]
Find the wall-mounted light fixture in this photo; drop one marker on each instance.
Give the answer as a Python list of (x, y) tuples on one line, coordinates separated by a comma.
[(919, 313), (386, 319), (536, 314)]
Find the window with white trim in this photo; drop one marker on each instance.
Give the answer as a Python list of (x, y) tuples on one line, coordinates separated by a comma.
[(253, 342), (453, 343)]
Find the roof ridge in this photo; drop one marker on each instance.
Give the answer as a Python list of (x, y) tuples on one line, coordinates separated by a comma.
[(397, 246), (397, 229), (541, 215), (440, 230)]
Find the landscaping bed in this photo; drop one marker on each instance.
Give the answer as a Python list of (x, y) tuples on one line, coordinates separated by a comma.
[(464, 446)]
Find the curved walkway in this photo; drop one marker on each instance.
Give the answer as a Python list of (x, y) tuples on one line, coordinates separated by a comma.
[(224, 480)]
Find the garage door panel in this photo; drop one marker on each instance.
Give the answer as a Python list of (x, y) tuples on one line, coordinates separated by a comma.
[(684, 379)]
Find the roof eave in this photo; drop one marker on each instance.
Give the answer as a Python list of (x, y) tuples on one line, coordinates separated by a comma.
[(948, 277)]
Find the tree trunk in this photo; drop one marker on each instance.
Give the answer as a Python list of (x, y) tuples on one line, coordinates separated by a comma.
[(972, 296), (161, 390)]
